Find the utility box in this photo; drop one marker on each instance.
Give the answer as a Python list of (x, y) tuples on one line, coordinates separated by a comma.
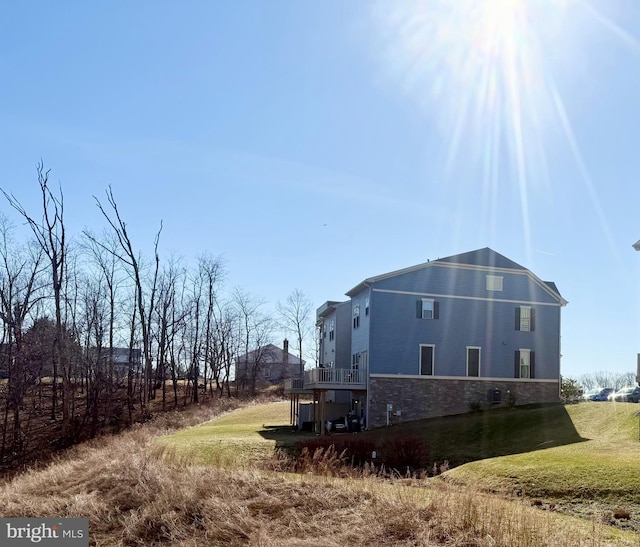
[(495, 396)]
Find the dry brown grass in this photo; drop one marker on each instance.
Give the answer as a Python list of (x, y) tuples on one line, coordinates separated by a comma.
[(134, 494)]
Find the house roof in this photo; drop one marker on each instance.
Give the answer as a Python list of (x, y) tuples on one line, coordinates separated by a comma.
[(328, 307), (480, 258), (274, 354), (121, 355), (483, 257)]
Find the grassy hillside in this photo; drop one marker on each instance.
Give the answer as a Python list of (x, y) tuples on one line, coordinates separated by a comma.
[(133, 494), (605, 465), (577, 452), (235, 439)]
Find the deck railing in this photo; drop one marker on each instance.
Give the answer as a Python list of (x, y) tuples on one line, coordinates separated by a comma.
[(327, 378), (291, 384), (337, 376)]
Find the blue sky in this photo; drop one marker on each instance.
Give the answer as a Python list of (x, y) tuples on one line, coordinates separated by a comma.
[(314, 144)]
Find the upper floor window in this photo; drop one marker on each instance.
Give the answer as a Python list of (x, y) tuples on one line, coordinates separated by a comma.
[(525, 318), (332, 330), (427, 308), (494, 282), (356, 316), (366, 306)]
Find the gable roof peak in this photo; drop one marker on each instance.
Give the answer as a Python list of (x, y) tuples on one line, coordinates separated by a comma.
[(486, 257)]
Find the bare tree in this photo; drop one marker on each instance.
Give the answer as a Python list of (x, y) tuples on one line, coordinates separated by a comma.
[(226, 344), (109, 282), (210, 273), (129, 257), (51, 236), (255, 329), (20, 275), (170, 317), (607, 378), (296, 318)]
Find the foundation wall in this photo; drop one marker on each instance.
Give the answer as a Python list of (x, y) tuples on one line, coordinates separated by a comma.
[(419, 398)]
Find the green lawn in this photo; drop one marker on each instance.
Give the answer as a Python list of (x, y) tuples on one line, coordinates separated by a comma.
[(235, 439), (604, 466), (583, 451)]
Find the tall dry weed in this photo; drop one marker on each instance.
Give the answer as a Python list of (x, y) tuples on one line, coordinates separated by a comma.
[(133, 494)]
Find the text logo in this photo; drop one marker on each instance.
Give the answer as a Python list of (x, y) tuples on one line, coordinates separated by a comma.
[(61, 532)]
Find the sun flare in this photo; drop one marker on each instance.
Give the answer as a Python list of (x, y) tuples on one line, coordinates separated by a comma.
[(488, 73)]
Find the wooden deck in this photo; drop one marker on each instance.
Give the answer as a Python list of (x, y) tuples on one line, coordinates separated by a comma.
[(326, 378)]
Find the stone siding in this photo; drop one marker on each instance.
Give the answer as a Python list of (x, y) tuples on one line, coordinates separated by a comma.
[(420, 398)]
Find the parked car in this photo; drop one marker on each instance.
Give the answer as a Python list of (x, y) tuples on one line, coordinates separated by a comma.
[(599, 394), (345, 423), (628, 394), (339, 424), (591, 393)]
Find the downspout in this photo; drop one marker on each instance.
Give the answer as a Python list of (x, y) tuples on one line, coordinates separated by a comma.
[(366, 415)]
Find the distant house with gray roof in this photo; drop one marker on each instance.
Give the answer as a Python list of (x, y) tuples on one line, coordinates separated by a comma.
[(265, 366)]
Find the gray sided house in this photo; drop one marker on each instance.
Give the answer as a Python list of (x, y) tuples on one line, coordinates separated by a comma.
[(118, 361), (266, 366), (468, 331)]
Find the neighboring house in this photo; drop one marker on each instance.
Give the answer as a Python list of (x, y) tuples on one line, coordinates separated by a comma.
[(444, 337), (266, 366), (123, 360), (334, 318)]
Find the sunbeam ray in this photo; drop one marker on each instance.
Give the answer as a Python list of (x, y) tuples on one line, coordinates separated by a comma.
[(486, 68), (584, 172)]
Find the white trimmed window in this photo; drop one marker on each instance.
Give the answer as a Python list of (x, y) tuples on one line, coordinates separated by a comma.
[(427, 308), (494, 282), (525, 363), (332, 329), (356, 316), (473, 361), (427, 352), (525, 318)]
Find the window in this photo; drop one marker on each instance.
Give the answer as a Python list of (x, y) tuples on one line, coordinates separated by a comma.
[(426, 360), (356, 316), (366, 306), (525, 318), (494, 282), (332, 330), (524, 364), (355, 361), (427, 308), (267, 373), (473, 361)]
